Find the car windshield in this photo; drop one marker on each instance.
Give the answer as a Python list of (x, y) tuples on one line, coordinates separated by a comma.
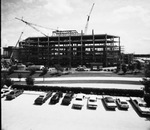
[(66, 97), (79, 99), (123, 102), (142, 105), (12, 92), (92, 100), (109, 99)]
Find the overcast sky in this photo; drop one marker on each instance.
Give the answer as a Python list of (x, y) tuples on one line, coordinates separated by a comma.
[(129, 19)]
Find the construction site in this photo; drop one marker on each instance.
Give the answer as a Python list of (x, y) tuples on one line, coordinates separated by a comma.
[(68, 48), (71, 49)]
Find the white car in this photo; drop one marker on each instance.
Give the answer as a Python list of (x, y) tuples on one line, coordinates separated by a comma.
[(5, 92), (79, 101), (109, 102), (92, 102)]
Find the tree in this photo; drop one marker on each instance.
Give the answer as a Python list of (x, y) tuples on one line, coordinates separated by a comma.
[(10, 70), (9, 82), (44, 71), (19, 76), (146, 83), (6, 81), (29, 80), (146, 80), (147, 70), (32, 71)]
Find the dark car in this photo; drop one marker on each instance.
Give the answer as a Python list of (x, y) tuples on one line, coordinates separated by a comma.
[(109, 102), (56, 97), (13, 94), (122, 104), (67, 98), (42, 98)]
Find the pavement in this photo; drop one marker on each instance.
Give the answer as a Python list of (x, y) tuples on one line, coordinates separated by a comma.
[(22, 114)]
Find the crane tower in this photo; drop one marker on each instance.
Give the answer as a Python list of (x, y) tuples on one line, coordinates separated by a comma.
[(88, 18)]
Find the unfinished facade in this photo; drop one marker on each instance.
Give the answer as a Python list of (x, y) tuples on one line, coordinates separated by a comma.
[(71, 50)]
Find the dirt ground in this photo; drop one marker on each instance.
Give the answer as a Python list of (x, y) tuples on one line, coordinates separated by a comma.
[(22, 114)]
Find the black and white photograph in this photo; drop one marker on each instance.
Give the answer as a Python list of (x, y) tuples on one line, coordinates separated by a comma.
[(75, 65)]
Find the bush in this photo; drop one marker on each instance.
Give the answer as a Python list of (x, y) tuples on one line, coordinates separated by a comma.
[(147, 70), (8, 82), (146, 83), (19, 76), (44, 71), (32, 71), (58, 67), (29, 80), (98, 91), (3, 78), (147, 99), (10, 70)]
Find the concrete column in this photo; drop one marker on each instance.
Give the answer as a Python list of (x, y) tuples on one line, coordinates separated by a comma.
[(81, 47), (94, 58), (48, 53), (70, 51), (38, 49), (105, 51), (59, 49)]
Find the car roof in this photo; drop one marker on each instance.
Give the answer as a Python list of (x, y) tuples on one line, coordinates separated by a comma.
[(79, 95), (108, 97), (92, 97), (123, 100)]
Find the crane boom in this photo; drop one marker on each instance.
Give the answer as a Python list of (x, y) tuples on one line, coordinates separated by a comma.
[(16, 44), (32, 26), (88, 18)]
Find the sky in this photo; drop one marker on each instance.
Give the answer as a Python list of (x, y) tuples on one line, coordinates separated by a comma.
[(129, 19)]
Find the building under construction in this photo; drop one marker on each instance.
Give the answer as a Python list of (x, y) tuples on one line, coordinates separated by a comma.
[(70, 49)]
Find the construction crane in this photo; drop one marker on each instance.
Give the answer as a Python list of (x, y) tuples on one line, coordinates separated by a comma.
[(32, 26), (11, 56), (88, 18)]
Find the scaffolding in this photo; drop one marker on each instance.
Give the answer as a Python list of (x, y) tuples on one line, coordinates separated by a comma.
[(71, 50)]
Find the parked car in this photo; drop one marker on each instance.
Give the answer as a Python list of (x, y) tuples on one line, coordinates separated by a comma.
[(122, 104), (29, 64), (13, 94), (42, 98), (92, 102), (2, 94), (56, 97), (21, 66), (5, 92), (141, 107), (81, 68), (36, 67), (67, 98), (79, 101), (109, 102)]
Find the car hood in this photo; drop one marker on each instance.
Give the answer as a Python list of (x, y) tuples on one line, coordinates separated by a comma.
[(111, 104), (92, 103), (76, 102)]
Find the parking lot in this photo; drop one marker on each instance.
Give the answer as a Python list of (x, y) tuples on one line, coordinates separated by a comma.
[(22, 114)]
